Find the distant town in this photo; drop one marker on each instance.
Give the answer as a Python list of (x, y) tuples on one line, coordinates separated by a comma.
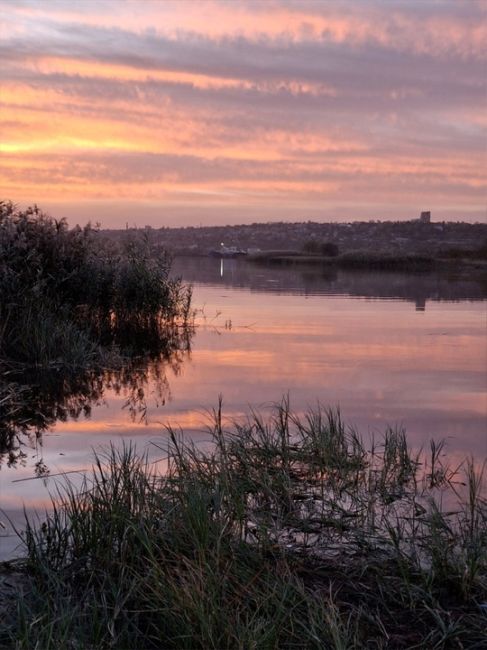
[(421, 236)]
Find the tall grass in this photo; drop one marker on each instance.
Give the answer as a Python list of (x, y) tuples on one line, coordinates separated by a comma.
[(66, 294), (72, 307), (287, 533)]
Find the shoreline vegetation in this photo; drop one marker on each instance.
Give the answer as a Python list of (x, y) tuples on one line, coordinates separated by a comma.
[(74, 307), (384, 245), (456, 260), (359, 260), (286, 532)]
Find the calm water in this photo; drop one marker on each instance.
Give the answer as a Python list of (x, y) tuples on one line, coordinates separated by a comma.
[(386, 348)]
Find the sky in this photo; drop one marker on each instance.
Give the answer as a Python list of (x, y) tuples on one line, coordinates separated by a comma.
[(211, 112)]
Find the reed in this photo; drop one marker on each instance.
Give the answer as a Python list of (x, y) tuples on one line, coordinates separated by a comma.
[(287, 533), (68, 298), (72, 308)]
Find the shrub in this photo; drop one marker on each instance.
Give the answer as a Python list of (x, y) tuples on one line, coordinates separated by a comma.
[(72, 307), (62, 290), (329, 249)]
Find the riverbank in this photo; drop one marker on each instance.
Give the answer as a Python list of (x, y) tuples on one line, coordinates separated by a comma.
[(395, 238), (288, 532), (372, 261)]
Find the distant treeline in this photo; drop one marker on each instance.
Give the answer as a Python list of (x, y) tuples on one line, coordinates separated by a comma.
[(358, 260), (386, 237)]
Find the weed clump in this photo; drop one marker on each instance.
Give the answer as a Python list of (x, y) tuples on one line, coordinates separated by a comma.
[(287, 533), (66, 295), (72, 307)]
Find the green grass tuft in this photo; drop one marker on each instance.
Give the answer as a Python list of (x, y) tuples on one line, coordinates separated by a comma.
[(287, 533)]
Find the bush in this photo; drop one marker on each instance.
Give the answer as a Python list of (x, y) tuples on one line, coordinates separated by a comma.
[(329, 249), (65, 291), (457, 253), (74, 309)]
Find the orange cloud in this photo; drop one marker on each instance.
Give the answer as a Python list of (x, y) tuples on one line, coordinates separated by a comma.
[(278, 104)]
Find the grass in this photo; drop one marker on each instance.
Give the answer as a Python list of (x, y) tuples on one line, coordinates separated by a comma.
[(72, 309), (287, 533), (69, 299)]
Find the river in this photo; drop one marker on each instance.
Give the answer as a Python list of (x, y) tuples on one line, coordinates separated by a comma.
[(388, 349)]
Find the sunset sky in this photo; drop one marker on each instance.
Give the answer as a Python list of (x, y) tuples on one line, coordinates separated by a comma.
[(188, 113)]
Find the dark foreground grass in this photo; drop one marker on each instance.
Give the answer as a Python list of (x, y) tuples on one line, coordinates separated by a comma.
[(289, 533)]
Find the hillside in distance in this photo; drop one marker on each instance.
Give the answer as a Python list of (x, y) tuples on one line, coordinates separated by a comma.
[(388, 237)]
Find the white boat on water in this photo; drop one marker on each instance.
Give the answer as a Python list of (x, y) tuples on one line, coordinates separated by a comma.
[(227, 251)]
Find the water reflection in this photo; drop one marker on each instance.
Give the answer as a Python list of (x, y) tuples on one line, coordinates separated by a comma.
[(35, 402), (349, 339), (270, 342), (418, 288)]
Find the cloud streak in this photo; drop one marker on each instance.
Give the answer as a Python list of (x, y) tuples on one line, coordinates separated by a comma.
[(322, 105)]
